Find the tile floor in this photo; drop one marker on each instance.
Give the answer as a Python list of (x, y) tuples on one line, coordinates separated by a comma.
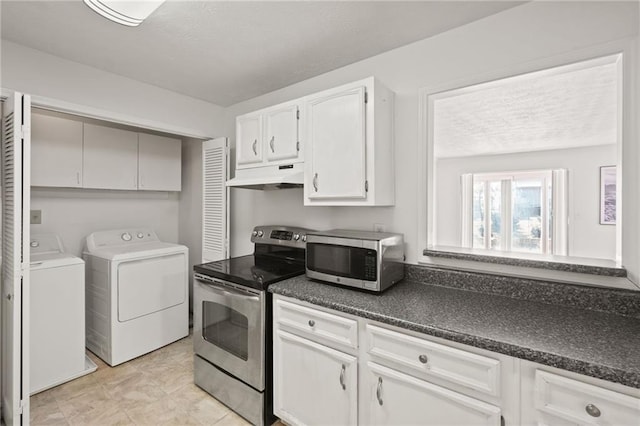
[(155, 389)]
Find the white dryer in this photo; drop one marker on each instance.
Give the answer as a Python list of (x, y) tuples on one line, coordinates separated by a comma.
[(137, 293), (56, 315)]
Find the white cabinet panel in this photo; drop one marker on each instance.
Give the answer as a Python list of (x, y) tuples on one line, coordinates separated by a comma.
[(248, 140), (399, 399), (349, 157), (430, 359), (313, 384), (281, 132), (56, 151), (316, 324), (336, 137), (159, 163), (110, 158)]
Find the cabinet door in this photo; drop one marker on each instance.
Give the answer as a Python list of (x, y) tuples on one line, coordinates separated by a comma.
[(159, 163), (56, 152), (394, 398), (248, 140), (336, 140), (313, 384), (110, 158), (281, 133)]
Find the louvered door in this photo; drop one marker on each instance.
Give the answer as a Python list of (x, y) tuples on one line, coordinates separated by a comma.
[(16, 125), (215, 195)]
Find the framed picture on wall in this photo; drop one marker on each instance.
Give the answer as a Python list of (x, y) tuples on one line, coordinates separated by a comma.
[(608, 195)]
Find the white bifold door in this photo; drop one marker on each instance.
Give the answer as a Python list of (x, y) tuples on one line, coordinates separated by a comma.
[(215, 196), (16, 125)]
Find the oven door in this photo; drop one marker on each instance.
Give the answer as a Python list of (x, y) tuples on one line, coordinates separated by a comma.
[(229, 328)]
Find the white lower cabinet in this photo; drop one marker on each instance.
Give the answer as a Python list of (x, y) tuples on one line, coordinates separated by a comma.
[(394, 398), (555, 397), (327, 374), (314, 384)]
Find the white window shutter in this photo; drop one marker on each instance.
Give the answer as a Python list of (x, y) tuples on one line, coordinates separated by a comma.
[(215, 197)]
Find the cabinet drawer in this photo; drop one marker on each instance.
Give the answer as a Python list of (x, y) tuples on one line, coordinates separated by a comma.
[(316, 324), (433, 359), (584, 403)]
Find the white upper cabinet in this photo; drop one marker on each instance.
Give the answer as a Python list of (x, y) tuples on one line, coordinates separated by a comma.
[(349, 146), (56, 151), (110, 158), (159, 163), (249, 140), (281, 132), (269, 136)]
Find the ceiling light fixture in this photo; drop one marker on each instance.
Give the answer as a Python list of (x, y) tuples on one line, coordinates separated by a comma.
[(129, 13)]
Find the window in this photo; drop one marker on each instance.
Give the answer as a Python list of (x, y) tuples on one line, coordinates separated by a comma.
[(515, 211)]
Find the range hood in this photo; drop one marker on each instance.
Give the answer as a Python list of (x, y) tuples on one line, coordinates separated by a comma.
[(269, 177)]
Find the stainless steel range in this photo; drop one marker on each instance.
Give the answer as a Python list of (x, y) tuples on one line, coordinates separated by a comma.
[(232, 320)]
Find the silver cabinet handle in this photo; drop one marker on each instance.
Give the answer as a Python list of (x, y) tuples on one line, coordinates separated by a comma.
[(315, 182), (273, 138), (255, 147), (592, 410), (343, 370), (379, 391), (312, 323), (423, 359)]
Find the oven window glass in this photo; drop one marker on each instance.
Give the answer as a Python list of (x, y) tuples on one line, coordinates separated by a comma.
[(225, 328)]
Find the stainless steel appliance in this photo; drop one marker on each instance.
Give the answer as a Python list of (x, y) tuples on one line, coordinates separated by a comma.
[(232, 320), (368, 260)]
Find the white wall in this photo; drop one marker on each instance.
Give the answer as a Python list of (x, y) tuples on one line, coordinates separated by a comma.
[(37, 73), (74, 214), (190, 208), (587, 238), (503, 42)]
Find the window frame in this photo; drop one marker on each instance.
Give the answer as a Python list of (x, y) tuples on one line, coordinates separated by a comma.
[(626, 55)]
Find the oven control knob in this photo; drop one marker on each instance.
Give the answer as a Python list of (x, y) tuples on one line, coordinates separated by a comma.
[(260, 233), (296, 237), (126, 236), (254, 233), (140, 235), (304, 238)]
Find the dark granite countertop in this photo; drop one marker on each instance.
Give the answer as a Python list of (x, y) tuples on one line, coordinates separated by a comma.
[(597, 344)]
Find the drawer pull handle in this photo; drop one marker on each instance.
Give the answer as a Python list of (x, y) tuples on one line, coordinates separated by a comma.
[(342, 371), (423, 359), (312, 323), (592, 410), (379, 391)]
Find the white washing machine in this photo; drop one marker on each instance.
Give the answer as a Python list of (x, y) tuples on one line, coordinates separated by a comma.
[(56, 314), (137, 293)]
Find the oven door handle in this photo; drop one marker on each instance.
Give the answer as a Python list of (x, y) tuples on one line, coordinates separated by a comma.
[(228, 292)]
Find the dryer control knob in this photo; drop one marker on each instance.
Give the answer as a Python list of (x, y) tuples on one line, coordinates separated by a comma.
[(140, 235), (126, 236)]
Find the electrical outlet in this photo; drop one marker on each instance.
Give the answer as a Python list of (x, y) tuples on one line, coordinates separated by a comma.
[(36, 217), (379, 227)]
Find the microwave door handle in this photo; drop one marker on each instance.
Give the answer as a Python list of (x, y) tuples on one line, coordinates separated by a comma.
[(228, 292)]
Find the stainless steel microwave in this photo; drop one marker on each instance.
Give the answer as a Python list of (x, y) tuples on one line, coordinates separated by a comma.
[(368, 260)]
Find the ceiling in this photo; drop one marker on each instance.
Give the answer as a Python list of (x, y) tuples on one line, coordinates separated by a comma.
[(553, 109), (225, 52)]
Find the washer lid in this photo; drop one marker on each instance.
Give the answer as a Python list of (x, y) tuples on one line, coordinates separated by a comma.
[(53, 260), (138, 250)]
